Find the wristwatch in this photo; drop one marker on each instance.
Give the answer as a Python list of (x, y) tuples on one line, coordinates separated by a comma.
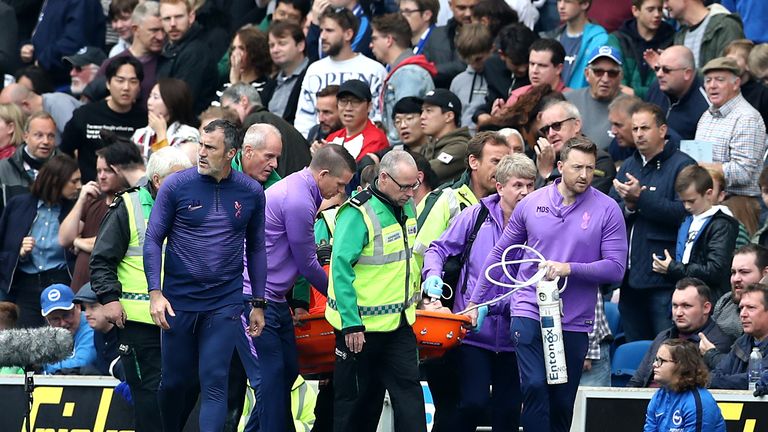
[(259, 303)]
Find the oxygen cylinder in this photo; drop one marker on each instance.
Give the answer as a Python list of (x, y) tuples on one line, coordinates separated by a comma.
[(548, 298)]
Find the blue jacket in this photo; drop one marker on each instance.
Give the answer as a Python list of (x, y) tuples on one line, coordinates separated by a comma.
[(671, 411), (594, 37), (83, 354), (683, 114), (63, 28), (658, 214), (494, 335), (731, 372), (15, 224)]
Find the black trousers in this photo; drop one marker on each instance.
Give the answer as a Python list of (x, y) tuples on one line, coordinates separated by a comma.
[(26, 290), (389, 359), (140, 356)]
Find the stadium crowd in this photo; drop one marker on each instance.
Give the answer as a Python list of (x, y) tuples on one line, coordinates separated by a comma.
[(182, 180)]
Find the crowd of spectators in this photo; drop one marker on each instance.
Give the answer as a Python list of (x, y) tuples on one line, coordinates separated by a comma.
[(673, 93)]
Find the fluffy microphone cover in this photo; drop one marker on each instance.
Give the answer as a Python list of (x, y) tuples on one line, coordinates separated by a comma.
[(36, 346)]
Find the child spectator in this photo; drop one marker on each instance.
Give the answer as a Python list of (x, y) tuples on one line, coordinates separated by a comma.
[(474, 45), (9, 313), (718, 196), (706, 239)]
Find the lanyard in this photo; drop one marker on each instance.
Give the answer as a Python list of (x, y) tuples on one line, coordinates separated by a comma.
[(423, 40)]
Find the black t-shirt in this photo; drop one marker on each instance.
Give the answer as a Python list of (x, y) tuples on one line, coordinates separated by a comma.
[(82, 132)]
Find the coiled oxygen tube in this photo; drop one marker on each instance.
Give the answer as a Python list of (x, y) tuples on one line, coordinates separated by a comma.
[(550, 311)]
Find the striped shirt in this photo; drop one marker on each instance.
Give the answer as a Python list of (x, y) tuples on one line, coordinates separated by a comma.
[(739, 142)]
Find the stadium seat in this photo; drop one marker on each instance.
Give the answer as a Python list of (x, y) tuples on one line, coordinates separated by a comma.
[(625, 361), (614, 323)]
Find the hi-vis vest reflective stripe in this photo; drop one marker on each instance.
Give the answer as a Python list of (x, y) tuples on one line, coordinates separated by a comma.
[(386, 274), (130, 271)]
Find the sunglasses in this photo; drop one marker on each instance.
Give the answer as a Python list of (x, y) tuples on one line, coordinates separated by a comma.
[(556, 126), (666, 69), (612, 73)]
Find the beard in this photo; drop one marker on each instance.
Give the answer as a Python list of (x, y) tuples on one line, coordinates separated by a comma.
[(334, 49)]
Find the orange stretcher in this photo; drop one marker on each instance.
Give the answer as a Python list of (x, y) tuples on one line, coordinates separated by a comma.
[(436, 333)]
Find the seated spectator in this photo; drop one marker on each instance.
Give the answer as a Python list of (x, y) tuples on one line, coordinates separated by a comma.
[(620, 117), (683, 402), (359, 135), (447, 146), (30, 255), (85, 64), (706, 239), (754, 91), (692, 317), (250, 62), (327, 116), (646, 31), (60, 106), (749, 266), (245, 100), (408, 74), (59, 311), (11, 134), (119, 113), (679, 90), (579, 37), (737, 133), (474, 45), (545, 66), (286, 47), (186, 54), (704, 30), (9, 314), (525, 114), (718, 198), (105, 341), (119, 15), (19, 171), (170, 120), (514, 139), (604, 76), (731, 371), (407, 120), (758, 62)]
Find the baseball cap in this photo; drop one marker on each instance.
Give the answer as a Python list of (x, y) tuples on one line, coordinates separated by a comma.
[(722, 63), (444, 99), (356, 88), (607, 52), (85, 295), (56, 297), (86, 55)]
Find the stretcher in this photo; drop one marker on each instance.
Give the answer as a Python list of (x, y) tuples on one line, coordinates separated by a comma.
[(436, 333)]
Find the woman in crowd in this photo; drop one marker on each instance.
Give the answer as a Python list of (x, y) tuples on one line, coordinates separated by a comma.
[(30, 255), (249, 62), (524, 114), (11, 135), (170, 115), (682, 403)]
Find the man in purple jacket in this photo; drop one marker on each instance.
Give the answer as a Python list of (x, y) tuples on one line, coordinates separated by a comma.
[(290, 214), (487, 357), (582, 234)]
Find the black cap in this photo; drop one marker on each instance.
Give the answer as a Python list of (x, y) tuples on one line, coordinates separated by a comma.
[(85, 295), (85, 56), (407, 105), (356, 88), (444, 99)]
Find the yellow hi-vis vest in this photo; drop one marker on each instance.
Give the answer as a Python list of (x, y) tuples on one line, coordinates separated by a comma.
[(130, 271), (386, 273)]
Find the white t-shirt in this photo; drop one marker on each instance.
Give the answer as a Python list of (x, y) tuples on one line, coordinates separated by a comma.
[(327, 71), (693, 231)]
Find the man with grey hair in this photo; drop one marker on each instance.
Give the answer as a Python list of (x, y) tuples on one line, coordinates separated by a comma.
[(59, 105), (262, 145), (678, 90), (620, 117), (737, 133), (117, 278), (372, 298), (245, 100), (491, 348), (562, 121), (146, 46)]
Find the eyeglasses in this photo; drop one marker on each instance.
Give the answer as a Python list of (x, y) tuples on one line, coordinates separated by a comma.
[(403, 187), (556, 126), (666, 69), (660, 361), (612, 73), (354, 103), (410, 11), (405, 120)]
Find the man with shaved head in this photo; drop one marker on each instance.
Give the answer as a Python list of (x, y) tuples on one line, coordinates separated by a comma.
[(59, 105), (678, 90)]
